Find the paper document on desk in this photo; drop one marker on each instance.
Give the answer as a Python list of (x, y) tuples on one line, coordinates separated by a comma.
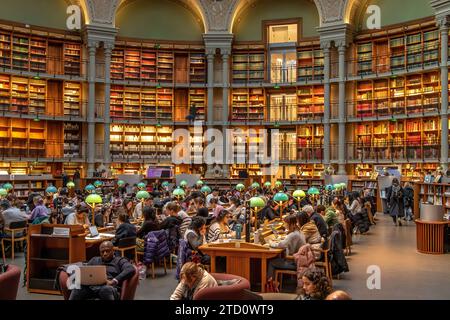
[(106, 235)]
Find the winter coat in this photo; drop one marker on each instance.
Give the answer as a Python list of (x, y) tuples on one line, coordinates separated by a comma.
[(337, 257), (305, 260), (408, 197), (172, 225), (361, 221), (156, 246), (184, 255), (395, 202)]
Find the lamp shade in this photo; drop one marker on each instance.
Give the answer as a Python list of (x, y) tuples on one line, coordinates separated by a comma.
[(178, 192), (142, 195), (98, 183), (89, 188), (3, 192), (120, 183), (343, 185), (329, 187), (93, 199), (313, 191), (299, 194), (240, 187), (183, 183), (278, 184), (70, 185), (141, 185), (281, 197), (7, 186), (255, 185), (199, 183), (165, 184), (51, 189), (267, 184), (337, 186), (257, 202), (205, 189)]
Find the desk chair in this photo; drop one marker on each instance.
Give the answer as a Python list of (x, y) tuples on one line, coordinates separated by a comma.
[(326, 263), (127, 244), (14, 229), (279, 273), (141, 253)]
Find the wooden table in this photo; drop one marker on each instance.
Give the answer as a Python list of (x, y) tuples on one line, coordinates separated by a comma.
[(238, 255), (431, 236)]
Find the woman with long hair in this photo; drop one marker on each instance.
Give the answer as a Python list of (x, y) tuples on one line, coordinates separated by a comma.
[(220, 226), (394, 196), (316, 285)]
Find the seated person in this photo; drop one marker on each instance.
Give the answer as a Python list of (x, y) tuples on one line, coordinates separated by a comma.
[(318, 220), (338, 295), (308, 228), (220, 226), (40, 211), (292, 243), (118, 269), (149, 224), (316, 285), (139, 208), (80, 217), (193, 279), (10, 214), (68, 207), (195, 236), (329, 215), (174, 209), (124, 229)]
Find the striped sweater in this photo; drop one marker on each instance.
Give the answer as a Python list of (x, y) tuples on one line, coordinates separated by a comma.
[(186, 221)]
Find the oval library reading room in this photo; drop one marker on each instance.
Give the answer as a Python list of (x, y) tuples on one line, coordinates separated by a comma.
[(224, 150)]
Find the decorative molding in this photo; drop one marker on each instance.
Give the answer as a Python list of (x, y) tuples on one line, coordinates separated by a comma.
[(339, 34), (102, 12), (218, 14), (331, 11)]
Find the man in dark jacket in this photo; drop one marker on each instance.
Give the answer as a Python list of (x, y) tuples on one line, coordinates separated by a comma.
[(318, 220), (118, 269), (124, 230)]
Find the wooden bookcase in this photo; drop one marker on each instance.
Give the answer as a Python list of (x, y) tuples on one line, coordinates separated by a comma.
[(410, 47), (248, 66), (310, 142), (35, 96), (27, 179), (72, 140), (141, 102), (418, 93), (310, 63), (29, 52), (198, 98), (46, 252), (413, 139), (435, 193), (149, 143), (310, 101), (248, 104), (72, 98), (197, 67)]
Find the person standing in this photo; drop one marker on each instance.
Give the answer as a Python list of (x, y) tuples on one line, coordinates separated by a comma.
[(408, 201), (76, 179), (395, 202)]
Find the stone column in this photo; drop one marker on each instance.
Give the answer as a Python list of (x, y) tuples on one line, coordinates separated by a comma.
[(92, 49), (210, 84), (225, 105), (107, 118), (444, 24), (327, 103), (342, 110)]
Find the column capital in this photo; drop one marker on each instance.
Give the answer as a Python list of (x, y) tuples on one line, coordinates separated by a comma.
[(325, 45), (225, 53), (108, 46), (210, 52), (443, 22), (92, 46)]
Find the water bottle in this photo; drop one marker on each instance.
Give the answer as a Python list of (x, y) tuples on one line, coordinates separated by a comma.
[(238, 231), (142, 272)]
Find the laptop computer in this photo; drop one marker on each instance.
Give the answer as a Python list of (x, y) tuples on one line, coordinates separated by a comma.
[(94, 232), (93, 275)]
